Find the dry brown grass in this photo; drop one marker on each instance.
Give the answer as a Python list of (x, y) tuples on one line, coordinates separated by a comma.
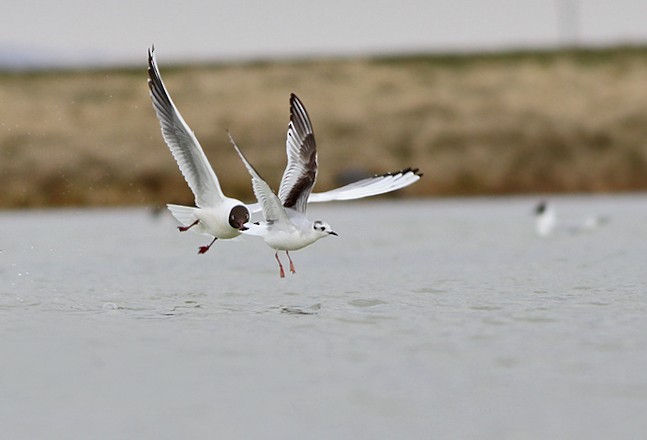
[(507, 123)]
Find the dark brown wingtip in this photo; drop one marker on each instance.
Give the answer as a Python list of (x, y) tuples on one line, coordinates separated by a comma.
[(293, 99), (404, 171), (151, 67), (299, 115), (151, 60)]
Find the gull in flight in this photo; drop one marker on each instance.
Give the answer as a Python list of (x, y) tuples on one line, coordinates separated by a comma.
[(215, 214), (285, 226)]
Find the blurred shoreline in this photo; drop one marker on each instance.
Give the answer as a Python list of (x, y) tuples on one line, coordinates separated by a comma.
[(475, 124)]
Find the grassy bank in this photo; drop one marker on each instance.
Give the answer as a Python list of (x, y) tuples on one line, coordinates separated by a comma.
[(475, 124)]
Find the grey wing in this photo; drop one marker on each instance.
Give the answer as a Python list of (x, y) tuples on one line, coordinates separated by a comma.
[(371, 186), (301, 171), (182, 142), (269, 203)]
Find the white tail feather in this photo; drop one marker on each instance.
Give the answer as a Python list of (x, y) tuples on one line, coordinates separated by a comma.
[(186, 215), (183, 214)]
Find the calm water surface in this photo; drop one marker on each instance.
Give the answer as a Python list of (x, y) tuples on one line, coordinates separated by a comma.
[(424, 319)]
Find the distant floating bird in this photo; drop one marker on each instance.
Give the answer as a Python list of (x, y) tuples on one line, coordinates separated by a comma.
[(215, 214), (546, 223), (545, 219), (285, 226)]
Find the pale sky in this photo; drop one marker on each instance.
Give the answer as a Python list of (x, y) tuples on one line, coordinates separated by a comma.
[(119, 31)]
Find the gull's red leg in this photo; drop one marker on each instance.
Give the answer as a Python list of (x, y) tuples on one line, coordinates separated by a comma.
[(281, 272), (203, 249), (291, 264), (186, 228)]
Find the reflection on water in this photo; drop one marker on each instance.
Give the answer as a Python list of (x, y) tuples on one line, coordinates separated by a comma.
[(461, 323)]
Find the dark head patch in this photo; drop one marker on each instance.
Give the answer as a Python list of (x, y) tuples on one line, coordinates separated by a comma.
[(238, 216), (541, 208)]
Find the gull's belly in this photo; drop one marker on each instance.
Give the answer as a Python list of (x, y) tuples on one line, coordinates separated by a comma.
[(217, 223), (288, 241)]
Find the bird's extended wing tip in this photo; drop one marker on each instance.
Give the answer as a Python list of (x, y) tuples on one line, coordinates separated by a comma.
[(151, 54), (402, 172)]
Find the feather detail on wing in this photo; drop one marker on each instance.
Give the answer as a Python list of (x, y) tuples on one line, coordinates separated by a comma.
[(301, 171), (182, 142), (371, 186), (270, 204)]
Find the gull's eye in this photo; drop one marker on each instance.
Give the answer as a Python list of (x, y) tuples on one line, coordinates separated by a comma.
[(319, 226)]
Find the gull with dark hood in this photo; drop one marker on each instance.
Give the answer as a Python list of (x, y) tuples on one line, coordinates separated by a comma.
[(215, 214), (219, 216)]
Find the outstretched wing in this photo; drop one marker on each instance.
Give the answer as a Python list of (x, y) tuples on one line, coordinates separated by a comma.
[(182, 142), (301, 171), (371, 186), (270, 204)]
